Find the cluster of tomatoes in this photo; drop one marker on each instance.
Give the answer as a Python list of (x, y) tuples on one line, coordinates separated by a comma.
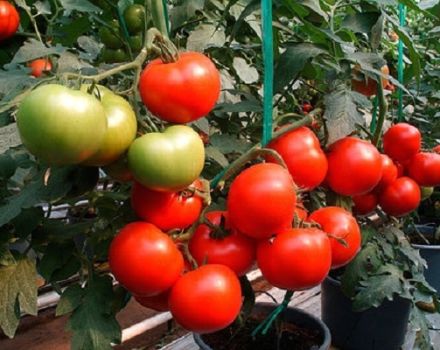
[(406, 174), (111, 35)]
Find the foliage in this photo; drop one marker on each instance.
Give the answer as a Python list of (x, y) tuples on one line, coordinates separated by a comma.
[(58, 222)]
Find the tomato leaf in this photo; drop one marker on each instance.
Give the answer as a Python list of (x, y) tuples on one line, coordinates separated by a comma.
[(360, 22), (18, 291), (421, 325), (205, 36), (93, 322), (33, 48), (78, 5), (246, 72), (57, 264), (70, 300)]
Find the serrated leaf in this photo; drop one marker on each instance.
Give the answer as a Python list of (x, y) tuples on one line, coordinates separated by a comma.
[(205, 36), (14, 79), (93, 322), (70, 62), (58, 262), (292, 62), (70, 300), (342, 114), (17, 285), (33, 49), (245, 71), (78, 5), (228, 143), (215, 154)]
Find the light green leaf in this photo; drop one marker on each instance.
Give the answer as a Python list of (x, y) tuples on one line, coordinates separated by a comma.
[(17, 288)]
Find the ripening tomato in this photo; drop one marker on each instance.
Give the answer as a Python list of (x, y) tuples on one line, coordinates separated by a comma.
[(436, 149), (167, 210), (234, 250), (9, 20), (295, 259), (303, 155), (262, 200), (340, 225), (181, 91), (156, 302), (39, 66), (389, 172), (401, 197), (402, 141), (365, 203), (306, 107), (365, 85), (144, 259), (206, 299), (354, 166), (424, 168)]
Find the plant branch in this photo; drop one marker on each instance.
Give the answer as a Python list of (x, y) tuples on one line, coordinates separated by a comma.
[(159, 20), (34, 23), (383, 108)]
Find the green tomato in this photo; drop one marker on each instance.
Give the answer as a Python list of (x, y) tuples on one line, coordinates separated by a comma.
[(135, 43), (109, 36), (113, 56), (168, 161), (134, 16), (426, 192), (121, 127), (61, 126), (120, 55)]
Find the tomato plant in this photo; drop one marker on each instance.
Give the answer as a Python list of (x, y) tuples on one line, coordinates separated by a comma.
[(144, 259), (340, 225), (39, 66), (230, 248), (55, 124), (424, 168), (400, 197), (354, 166), (295, 259), (261, 200), (9, 20), (402, 141), (211, 285), (303, 155), (168, 161), (181, 91), (167, 210)]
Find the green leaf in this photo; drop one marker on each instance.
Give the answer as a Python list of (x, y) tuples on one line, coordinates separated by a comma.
[(243, 106), (7, 166), (181, 14), (215, 154), (205, 36), (6, 257), (42, 7), (245, 71), (93, 322), (420, 324), (252, 6), (68, 33), (360, 22), (78, 5), (17, 287), (292, 62), (228, 143), (315, 6), (381, 286), (377, 32), (15, 78), (70, 300), (33, 49), (90, 46), (59, 262), (27, 221), (342, 113)]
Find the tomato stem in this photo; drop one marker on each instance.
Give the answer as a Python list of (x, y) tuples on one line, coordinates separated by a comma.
[(383, 109), (158, 15)]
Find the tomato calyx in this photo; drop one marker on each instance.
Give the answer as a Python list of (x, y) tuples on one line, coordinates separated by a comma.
[(217, 231)]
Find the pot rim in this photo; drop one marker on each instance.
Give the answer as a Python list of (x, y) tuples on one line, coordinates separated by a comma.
[(326, 332)]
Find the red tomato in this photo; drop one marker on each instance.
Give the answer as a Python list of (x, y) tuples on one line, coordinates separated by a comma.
[(365, 203), (261, 200), (401, 197), (207, 299), (389, 171), (144, 259), (296, 259), (303, 155), (300, 212), (400, 169), (156, 302), (424, 168), (181, 91), (167, 210), (306, 107), (354, 166), (236, 251), (402, 141), (9, 20), (436, 149), (365, 85), (339, 224), (39, 66)]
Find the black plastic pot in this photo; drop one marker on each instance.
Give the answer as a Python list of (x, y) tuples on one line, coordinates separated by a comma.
[(381, 328), (295, 316), (431, 253)]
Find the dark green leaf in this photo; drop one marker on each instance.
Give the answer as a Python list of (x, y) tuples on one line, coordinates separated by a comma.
[(361, 22), (70, 300), (59, 262), (27, 221), (78, 5), (33, 48), (7, 166), (227, 143), (377, 32)]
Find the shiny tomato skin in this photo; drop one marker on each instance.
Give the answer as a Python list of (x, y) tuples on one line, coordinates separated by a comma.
[(157, 302), (295, 259), (402, 141), (181, 91), (339, 224), (424, 168), (144, 259), (236, 251), (166, 210), (303, 155), (365, 203), (389, 171), (9, 20), (261, 200), (39, 66), (354, 166), (401, 197), (206, 299)]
